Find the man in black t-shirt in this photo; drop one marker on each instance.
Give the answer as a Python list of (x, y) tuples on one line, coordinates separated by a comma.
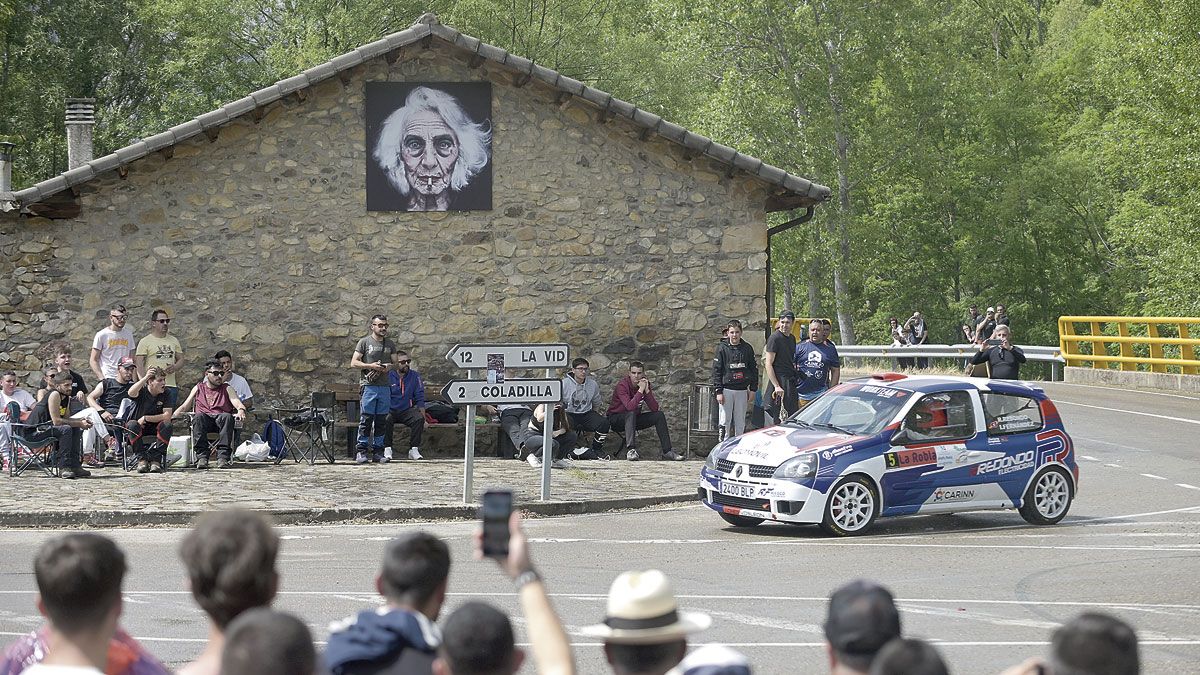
[(781, 370), (108, 395), (150, 424)]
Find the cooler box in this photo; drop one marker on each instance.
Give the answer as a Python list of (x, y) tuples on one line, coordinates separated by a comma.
[(182, 446)]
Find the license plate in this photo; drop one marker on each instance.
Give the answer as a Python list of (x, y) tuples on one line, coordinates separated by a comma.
[(737, 490)]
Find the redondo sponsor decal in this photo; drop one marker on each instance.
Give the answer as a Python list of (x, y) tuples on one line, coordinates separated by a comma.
[(1017, 462)]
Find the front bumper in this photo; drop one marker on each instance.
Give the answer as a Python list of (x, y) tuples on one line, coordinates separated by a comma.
[(767, 498)]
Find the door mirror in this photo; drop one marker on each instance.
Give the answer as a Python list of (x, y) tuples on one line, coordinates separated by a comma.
[(901, 437)]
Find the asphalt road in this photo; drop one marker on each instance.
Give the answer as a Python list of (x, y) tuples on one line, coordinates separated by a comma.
[(987, 587)]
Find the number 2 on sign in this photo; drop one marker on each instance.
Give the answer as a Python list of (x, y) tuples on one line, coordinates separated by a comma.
[(467, 357), (462, 392)]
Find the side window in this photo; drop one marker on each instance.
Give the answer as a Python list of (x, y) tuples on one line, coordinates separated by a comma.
[(941, 416), (1010, 414)]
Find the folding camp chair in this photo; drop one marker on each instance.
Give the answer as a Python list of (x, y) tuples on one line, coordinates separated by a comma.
[(26, 454), (308, 432)]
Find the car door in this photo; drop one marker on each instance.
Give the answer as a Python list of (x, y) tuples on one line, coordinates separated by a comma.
[(927, 467), (1013, 422)]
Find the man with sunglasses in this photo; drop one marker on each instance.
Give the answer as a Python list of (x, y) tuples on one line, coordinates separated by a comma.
[(408, 407), (162, 351), (218, 409), (111, 344), (375, 356)]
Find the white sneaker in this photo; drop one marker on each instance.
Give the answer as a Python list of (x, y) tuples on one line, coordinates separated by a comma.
[(534, 461), (414, 453), (632, 455), (387, 454)]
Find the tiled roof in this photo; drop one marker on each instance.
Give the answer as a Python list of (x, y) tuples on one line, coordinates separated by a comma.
[(796, 191)]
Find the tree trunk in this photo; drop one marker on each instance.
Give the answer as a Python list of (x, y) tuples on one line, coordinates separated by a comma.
[(787, 293), (840, 222)]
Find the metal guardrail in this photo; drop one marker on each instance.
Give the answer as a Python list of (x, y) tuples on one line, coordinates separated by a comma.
[(963, 351), (1161, 350), (1051, 355)]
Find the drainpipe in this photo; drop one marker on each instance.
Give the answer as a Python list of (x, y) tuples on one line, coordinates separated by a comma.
[(6, 166), (782, 227), (81, 117)]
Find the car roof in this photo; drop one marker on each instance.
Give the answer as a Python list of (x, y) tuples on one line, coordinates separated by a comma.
[(926, 384)]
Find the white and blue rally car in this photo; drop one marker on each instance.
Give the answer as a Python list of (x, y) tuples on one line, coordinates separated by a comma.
[(896, 445)]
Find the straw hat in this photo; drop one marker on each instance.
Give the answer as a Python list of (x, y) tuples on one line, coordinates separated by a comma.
[(642, 610)]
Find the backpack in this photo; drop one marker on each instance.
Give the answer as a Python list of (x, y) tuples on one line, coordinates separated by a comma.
[(272, 433), (442, 412)]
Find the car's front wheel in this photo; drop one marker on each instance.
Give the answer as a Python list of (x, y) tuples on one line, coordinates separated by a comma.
[(851, 507), (740, 521), (1048, 497)]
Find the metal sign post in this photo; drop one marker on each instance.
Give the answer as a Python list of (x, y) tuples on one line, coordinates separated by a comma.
[(472, 392), (548, 439)]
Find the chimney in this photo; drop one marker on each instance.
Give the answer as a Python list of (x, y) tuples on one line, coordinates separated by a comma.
[(81, 117), (6, 166)]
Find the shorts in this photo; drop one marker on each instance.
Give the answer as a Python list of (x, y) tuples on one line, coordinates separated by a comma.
[(376, 400)]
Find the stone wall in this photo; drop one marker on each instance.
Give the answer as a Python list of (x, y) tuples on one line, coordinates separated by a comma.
[(259, 242)]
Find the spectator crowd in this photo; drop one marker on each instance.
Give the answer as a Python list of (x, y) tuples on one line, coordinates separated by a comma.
[(231, 560)]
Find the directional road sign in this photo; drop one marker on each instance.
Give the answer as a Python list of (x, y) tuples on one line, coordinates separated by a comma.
[(511, 391), (515, 356)]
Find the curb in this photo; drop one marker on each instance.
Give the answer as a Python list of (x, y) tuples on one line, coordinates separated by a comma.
[(316, 516)]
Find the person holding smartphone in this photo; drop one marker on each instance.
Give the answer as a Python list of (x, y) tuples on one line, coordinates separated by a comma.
[(1004, 359)]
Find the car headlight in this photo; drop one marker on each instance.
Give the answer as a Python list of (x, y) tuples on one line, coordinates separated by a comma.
[(711, 460), (803, 466)]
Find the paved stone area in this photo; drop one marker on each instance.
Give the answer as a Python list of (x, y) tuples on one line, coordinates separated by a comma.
[(300, 493)]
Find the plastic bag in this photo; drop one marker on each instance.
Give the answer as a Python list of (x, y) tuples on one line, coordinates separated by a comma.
[(253, 450)]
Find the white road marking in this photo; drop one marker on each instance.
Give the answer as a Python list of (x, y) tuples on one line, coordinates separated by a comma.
[(591, 597), (882, 544), (1150, 475), (1115, 466), (1190, 487), (1132, 391), (1131, 412), (1117, 446), (760, 621), (939, 643), (1089, 458), (992, 619)]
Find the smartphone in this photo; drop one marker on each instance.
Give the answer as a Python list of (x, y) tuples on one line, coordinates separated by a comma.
[(495, 511), (995, 343)]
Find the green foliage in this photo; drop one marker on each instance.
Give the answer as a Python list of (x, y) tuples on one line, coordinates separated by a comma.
[(1044, 154)]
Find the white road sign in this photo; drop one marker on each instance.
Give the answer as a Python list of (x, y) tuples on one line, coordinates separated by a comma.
[(515, 356), (510, 391)]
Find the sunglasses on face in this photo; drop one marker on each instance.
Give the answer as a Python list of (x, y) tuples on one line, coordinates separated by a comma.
[(404, 361), (163, 320), (218, 373), (118, 317)]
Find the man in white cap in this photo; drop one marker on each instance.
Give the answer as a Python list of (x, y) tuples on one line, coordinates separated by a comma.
[(644, 632)]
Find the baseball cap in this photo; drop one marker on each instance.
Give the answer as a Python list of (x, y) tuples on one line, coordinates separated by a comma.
[(789, 314), (862, 618), (991, 310), (126, 361)]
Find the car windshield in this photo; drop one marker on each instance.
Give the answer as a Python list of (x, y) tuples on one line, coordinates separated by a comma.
[(857, 409)]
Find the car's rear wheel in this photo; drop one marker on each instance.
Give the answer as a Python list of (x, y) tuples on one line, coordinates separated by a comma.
[(740, 521), (851, 507), (1048, 497)]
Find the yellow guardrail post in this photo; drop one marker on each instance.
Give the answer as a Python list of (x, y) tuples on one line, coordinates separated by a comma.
[(1160, 359), (1156, 348)]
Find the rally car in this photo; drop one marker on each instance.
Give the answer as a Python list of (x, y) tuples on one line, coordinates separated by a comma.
[(896, 445)]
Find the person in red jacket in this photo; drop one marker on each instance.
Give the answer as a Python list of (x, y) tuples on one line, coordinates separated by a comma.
[(634, 407)]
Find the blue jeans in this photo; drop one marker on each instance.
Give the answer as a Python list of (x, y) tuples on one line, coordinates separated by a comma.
[(375, 406)]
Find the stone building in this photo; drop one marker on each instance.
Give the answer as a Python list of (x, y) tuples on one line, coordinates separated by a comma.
[(610, 229)]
